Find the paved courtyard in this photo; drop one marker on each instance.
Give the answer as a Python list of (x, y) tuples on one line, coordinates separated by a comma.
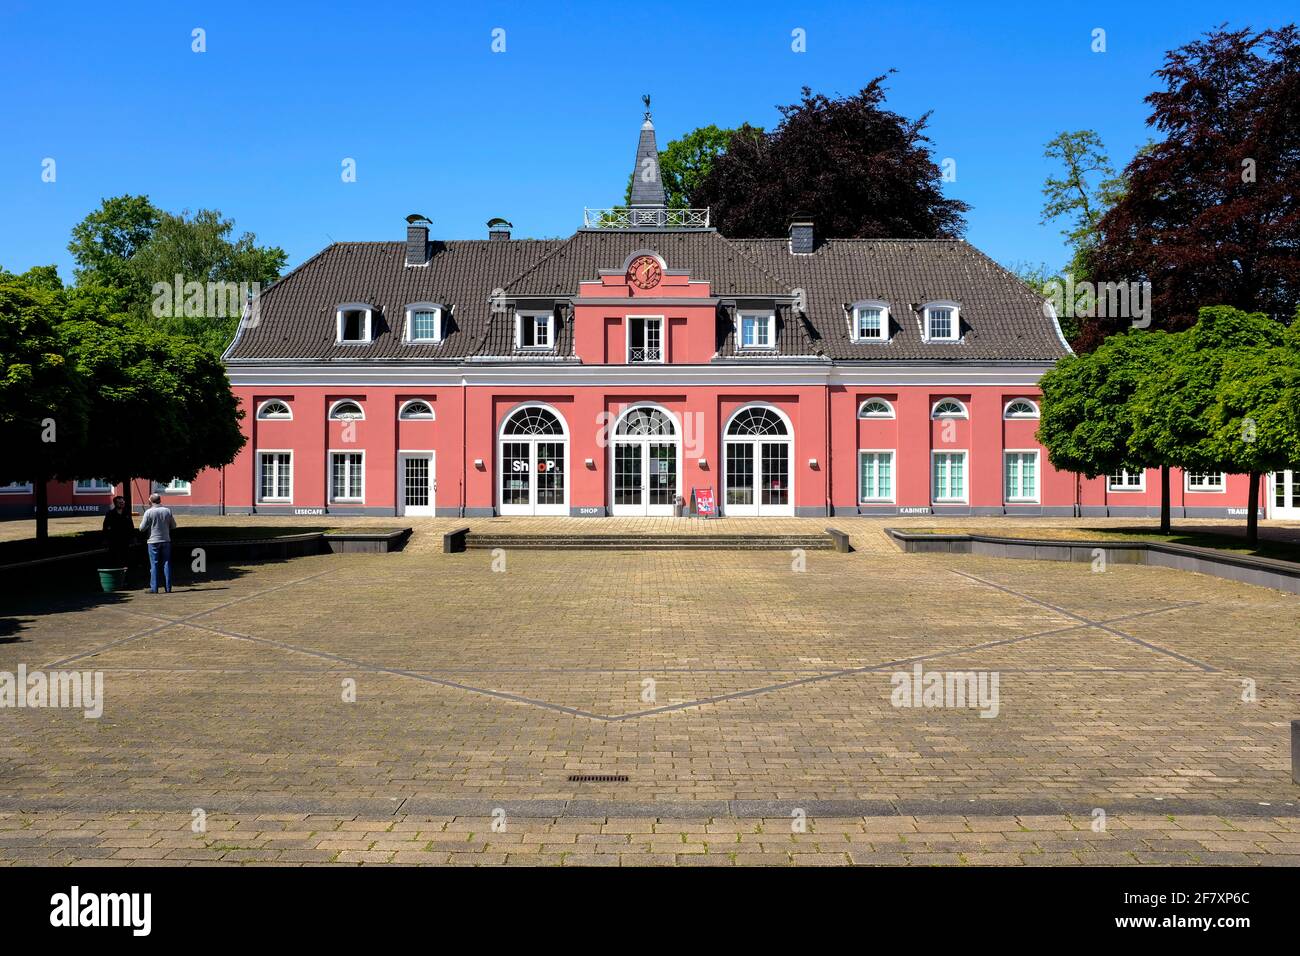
[(737, 693)]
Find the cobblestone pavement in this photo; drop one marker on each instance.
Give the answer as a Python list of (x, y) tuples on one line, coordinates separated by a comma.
[(731, 689)]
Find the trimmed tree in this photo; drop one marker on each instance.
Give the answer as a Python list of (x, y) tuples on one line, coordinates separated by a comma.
[(1089, 407), (43, 407)]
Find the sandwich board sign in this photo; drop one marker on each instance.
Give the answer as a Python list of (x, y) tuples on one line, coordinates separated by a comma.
[(706, 506)]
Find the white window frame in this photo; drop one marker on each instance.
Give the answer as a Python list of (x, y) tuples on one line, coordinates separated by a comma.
[(877, 416), (1007, 414), (172, 487), (954, 332), (369, 323), (521, 317), (402, 411), (17, 488), (893, 475), (104, 488), (1038, 476), (411, 310), (262, 416), (768, 318), (855, 330), (627, 339), (258, 477), (1217, 489), (965, 477), (331, 415), (937, 415), (329, 476), (1139, 487)]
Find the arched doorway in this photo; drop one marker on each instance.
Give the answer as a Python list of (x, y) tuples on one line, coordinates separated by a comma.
[(645, 462), (758, 446), (534, 463)]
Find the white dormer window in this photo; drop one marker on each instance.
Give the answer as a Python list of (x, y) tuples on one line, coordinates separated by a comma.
[(942, 322), (535, 330), (757, 330), (354, 323), (423, 322), (870, 322)]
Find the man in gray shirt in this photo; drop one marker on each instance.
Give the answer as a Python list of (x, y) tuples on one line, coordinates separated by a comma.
[(157, 523)]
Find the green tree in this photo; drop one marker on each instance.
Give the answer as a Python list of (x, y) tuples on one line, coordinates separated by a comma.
[(130, 245), (1081, 194), (1227, 401), (685, 162), (43, 406), (1090, 409)]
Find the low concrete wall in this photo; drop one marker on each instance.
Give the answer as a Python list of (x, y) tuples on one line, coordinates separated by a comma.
[(1266, 572)]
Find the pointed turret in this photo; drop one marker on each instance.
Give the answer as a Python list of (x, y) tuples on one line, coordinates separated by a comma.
[(647, 185)]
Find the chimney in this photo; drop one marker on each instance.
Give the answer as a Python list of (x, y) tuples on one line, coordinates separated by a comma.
[(801, 234), (499, 229), (417, 240)]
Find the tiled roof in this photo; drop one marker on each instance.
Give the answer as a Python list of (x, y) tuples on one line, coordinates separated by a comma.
[(1001, 319), (297, 313)]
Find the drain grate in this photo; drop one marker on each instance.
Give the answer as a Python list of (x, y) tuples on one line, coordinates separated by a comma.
[(597, 778)]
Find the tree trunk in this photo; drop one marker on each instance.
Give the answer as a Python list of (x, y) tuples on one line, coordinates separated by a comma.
[(1164, 500), (126, 493), (1252, 511), (42, 512)]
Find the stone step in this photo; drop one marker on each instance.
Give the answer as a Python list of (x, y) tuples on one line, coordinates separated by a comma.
[(659, 542)]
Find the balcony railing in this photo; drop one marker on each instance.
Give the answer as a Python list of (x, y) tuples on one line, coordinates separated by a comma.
[(649, 354), (633, 217)]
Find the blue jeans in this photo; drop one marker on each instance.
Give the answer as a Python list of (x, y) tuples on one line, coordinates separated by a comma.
[(162, 551)]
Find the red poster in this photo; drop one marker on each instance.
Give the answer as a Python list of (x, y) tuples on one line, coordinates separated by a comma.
[(705, 505)]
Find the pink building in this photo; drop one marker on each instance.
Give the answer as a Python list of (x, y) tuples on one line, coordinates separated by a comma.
[(644, 358)]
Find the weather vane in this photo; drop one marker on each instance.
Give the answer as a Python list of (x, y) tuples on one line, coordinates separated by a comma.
[(645, 98)]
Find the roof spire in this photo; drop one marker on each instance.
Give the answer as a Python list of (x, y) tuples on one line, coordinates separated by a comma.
[(647, 186)]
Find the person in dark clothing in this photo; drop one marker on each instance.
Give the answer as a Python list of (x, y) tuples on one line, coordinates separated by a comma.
[(119, 533)]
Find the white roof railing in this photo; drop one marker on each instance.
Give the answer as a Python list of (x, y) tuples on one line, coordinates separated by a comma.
[(645, 217)]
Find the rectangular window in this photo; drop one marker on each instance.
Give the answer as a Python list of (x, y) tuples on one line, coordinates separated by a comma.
[(870, 323), (1125, 480), (16, 488), (275, 474), (1204, 480), (949, 469), (1020, 479), (645, 339), (941, 324), (92, 486), (875, 476), (346, 476), (354, 325), (424, 326), (756, 331), (534, 331), (173, 487)]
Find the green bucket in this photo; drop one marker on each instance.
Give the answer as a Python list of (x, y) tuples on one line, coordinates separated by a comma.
[(112, 579)]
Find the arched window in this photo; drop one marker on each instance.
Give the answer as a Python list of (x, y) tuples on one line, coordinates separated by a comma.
[(533, 420), (274, 409), (876, 408), (416, 410), (757, 421), (645, 421), (346, 411), (948, 408), (1020, 408)]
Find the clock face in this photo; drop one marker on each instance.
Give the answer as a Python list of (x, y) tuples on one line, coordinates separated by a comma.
[(644, 273)]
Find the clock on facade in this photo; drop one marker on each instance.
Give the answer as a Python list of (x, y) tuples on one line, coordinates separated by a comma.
[(644, 272)]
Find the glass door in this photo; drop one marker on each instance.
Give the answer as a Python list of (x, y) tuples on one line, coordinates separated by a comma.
[(1286, 494), (661, 477), (416, 484)]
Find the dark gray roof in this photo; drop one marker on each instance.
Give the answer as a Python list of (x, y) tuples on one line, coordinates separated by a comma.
[(1001, 318), (647, 186), (297, 317)]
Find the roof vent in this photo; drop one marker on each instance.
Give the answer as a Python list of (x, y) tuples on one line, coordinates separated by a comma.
[(499, 229), (417, 240)]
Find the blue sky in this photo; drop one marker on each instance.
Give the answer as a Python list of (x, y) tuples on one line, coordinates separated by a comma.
[(259, 125)]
